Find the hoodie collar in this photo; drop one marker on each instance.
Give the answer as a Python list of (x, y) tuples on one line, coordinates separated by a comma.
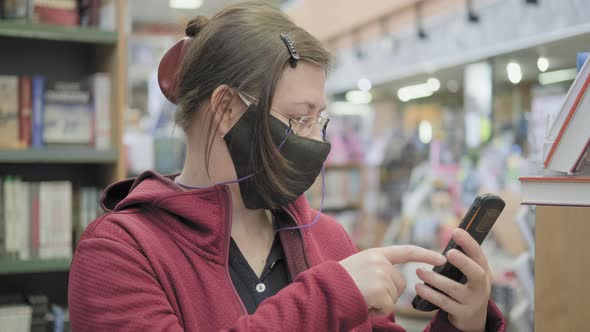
[(200, 217)]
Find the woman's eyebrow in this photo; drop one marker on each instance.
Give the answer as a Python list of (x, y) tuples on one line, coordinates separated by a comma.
[(310, 105)]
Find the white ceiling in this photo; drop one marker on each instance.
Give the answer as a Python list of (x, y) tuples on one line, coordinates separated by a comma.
[(158, 11)]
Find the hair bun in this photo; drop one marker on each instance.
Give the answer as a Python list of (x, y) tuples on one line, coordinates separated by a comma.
[(195, 25)]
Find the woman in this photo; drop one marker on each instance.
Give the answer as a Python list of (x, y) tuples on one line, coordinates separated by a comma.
[(231, 243)]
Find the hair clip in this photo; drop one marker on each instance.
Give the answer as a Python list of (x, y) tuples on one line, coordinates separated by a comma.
[(294, 56)]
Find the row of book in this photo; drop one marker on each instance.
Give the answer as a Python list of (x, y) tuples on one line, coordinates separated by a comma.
[(89, 13), (39, 219), (32, 313), (35, 112)]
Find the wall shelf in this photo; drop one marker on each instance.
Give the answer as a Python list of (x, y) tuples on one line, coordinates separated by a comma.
[(34, 266), (65, 155), (57, 33)]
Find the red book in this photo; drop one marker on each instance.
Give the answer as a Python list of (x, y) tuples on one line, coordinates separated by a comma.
[(56, 16), (24, 111)]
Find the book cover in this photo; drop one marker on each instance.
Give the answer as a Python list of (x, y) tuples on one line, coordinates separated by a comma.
[(67, 113), (8, 111), (556, 190), (25, 111), (38, 89), (101, 103)]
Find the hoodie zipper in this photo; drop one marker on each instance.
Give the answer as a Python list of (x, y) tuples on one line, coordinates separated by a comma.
[(229, 209)]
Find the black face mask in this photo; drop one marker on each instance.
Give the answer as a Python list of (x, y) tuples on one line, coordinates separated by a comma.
[(306, 155)]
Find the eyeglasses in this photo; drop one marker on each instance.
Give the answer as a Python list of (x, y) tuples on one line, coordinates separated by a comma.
[(303, 126)]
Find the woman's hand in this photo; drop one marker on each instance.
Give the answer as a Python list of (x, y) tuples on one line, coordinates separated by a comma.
[(466, 303), (375, 275)]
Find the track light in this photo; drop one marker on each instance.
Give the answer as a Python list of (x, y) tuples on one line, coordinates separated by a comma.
[(472, 16), (422, 35)]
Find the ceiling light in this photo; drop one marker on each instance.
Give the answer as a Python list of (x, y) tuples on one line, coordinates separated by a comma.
[(185, 4), (543, 64), (358, 97), (433, 84), (514, 72), (425, 132), (558, 76), (410, 92), (364, 84)]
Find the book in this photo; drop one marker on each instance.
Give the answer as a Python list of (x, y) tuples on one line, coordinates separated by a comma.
[(56, 12), (8, 111), (67, 113), (555, 189), (569, 136), (38, 91), (89, 12), (35, 240), (107, 15), (11, 248), (2, 221), (15, 9), (55, 219), (25, 105), (101, 103), (22, 219), (16, 317)]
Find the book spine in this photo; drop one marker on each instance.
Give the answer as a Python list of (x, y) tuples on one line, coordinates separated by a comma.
[(9, 111), (35, 220), (25, 111), (24, 225), (2, 220), (38, 87), (101, 92)]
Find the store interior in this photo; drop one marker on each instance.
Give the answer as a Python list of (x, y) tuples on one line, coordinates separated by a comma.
[(431, 103)]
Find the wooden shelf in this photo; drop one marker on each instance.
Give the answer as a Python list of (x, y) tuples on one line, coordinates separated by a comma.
[(34, 266), (65, 155), (57, 33)]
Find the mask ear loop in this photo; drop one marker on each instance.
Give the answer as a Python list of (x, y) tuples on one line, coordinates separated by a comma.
[(288, 132)]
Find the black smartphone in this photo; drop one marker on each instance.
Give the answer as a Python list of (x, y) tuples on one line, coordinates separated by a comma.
[(478, 221)]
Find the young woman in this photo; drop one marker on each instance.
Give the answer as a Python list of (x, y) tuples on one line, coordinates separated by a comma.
[(230, 243)]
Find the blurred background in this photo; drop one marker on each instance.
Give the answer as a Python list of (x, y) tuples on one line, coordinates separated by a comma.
[(432, 102)]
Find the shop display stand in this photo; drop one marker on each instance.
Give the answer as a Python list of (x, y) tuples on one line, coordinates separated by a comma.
[(69, 53), (562, 293)]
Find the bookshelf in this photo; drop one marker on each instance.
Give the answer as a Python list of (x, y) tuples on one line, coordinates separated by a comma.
[(59, 156), (65, 54), (57, 33), (33, 266)]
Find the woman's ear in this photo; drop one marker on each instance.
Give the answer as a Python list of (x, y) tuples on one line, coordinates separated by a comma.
[(226, 108)]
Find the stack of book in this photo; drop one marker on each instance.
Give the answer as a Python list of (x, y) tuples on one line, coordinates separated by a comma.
[(90, 13), (35, 112), (563, 179), (37, 219)]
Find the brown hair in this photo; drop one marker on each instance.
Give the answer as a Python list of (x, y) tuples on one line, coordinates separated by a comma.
[(241, 47)]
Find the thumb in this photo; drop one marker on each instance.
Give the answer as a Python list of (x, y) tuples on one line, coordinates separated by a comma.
[(409, 253)]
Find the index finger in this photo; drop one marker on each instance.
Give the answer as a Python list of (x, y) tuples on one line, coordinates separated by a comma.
[(471, 248), (409, 253)]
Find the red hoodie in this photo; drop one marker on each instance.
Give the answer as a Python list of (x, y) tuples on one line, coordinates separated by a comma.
[(158, 261)]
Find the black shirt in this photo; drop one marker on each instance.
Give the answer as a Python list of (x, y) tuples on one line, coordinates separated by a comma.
[(251, 289)]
